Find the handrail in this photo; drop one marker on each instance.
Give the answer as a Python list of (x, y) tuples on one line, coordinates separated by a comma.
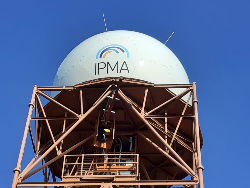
[(100, 165)]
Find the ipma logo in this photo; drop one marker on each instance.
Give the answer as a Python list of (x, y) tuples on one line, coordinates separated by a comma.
[(114, 67), (115, 48)]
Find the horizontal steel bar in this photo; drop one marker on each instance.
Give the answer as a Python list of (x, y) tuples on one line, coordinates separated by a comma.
[(170, 116), (173, 85), (97, 176), (102, 154), (105, 162), (52, 88), (54, 118), (73, 163), (116, 132), (59, 88), (100, 183)]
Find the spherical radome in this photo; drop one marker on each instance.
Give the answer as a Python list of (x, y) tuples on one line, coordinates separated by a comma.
[(121, 53)]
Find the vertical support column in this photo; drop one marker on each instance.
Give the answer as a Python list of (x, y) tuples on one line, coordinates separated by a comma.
[(46, 175), (82, 165), (17, 170), (36, 124), (136, 159), (81, 101), (199, 167), (63, 130), (145, 172), (63, 166), (194, 152), (39, 140), (166, 130), (144, 101)]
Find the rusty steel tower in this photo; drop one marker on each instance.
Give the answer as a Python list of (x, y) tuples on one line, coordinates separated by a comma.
[(121, 113)]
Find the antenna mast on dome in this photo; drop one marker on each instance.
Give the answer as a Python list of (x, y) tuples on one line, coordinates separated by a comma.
[(169, 38), (104, 22)]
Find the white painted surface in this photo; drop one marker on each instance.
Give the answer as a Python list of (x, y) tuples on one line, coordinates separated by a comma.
[(145, 58)]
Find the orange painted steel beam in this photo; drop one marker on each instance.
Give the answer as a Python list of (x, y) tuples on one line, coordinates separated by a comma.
[(56, 102), (191, 172), (54, 118), (47, 122), (179, 122), (167, 155), (32, 139), (17, 169), (144, 100), (53, 88), (173, 85), (57, 157), (116, 183), (145, 172), (69, 130), (170, 116), (199, 168), (170, 100), (126, 168)]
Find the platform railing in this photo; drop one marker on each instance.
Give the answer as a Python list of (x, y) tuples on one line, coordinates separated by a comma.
[(100, 166)]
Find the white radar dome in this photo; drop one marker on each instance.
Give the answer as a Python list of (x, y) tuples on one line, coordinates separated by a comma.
[(121, 53)]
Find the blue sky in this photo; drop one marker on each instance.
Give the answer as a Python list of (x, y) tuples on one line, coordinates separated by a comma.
[(211, 40)]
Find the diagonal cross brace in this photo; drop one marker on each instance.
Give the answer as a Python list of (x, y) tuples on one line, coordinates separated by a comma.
[(191, 172), (170, 100), (47, 122), (81, 118), (167, 155), (57, 157), (56, 102), (180, 120)]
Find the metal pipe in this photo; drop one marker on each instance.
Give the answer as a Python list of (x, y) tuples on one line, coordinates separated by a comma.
[(197, 133), (17, 170), (193, 154), (69, 131), (173, 85), (145, 172), (58, 157), (170, 100), (27, 167), (53, 88), (144, 100), (116, 183), (169, 116), (166, 154), (54, 118), (81, 101), (47, 122), (166, 129), (64, 125), (158, 136), (56, 102), (39, 140), (103, 94), (32, 140), (36, 123), (180, 120)]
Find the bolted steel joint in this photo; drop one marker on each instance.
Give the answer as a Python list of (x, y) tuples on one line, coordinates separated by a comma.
[(200, 167), (31, 104), (195, 100), (16, 169), (196, 177)]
